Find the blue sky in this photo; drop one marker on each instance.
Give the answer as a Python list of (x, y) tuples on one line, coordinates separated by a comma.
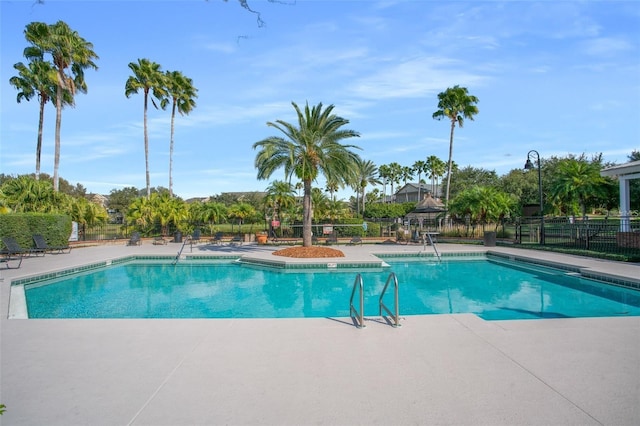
[(557, 77)]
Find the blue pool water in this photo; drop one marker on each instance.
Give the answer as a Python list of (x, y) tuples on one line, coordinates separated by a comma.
[(489, 289)]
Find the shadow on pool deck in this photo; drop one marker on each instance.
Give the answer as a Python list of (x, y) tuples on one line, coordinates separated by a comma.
[(440, 369)]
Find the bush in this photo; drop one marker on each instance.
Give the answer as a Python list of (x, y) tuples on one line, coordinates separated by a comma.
[(55, 228)]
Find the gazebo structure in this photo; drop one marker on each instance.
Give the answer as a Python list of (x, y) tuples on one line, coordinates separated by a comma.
[(426, 211), (625, 173)]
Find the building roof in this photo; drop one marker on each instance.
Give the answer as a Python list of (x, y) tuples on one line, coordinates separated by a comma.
[(625, 169)]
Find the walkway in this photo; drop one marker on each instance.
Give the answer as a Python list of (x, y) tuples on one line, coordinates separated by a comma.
[(441, 369)]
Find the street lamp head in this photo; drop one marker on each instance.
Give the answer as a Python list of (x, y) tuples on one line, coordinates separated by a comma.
[(528, 165)]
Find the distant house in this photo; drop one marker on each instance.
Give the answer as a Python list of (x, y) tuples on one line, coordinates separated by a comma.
[(409, 193)]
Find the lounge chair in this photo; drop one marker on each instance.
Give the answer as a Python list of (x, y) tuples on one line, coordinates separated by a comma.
[(13, 251), (41, 245), (135, 240), (237, 240), (355, 240), (332, 239), (217, 238), (159, 241)]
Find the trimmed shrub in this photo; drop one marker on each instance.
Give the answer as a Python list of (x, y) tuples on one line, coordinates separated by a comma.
[(55, 228)]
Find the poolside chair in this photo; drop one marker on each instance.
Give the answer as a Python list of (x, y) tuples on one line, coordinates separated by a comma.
[(195, 237), (217, 238), (41, 245), (159, 241), (135, 240), (332, 239), (13, 251), (355, 240), (237, 240)]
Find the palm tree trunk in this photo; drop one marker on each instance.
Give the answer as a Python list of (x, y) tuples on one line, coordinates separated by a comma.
[(56, 157), (146, 145), (39, 143), (453, 126), (307, 215), (173, 116)]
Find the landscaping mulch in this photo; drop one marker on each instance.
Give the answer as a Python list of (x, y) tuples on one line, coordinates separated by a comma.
[(309, 252)]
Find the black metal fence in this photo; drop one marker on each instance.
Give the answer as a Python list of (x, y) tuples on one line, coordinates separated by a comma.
[(613, 235)]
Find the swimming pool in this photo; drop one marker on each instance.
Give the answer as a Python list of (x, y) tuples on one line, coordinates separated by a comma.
[(491, 289)]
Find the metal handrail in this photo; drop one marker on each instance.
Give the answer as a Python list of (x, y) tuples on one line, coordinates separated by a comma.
[(424, 243), (186, 240), (358, 316), (395, 315)]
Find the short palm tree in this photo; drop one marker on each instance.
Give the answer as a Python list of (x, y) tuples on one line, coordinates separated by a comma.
[(181, 94), (71, 55), (456, 105), (311, 148), (280, 196), (577, 180), (147, 77)]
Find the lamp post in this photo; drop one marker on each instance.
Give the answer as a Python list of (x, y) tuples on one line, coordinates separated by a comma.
[(528, 166)]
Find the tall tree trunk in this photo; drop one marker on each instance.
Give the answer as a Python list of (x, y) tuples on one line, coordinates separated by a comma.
[(43, 101), (173, 116), (307, 215), (56, 157), (453, 126), (146, 145)]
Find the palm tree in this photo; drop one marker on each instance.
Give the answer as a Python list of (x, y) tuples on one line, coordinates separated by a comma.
[(37, 78), (383, 172), (148, 78), (241, 211), (436, 168), (419, 167), (311, 148), (71, 55), (366, 173), (332, 187), (406, 173), (577, 180), (394, 175), (182, 93), (280, 197), (455, 104)]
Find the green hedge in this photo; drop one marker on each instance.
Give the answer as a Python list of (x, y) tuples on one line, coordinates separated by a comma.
[(55, 228)]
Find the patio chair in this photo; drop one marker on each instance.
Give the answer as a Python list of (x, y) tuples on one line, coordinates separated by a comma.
[(13, 251), (43, 246), (237, 240), (195, 237), (159, 241), (217, 238), (331, 239), (135, 240), (355, 240)]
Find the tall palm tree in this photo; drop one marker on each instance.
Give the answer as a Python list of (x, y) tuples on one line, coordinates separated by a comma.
[(419, 167), (147, 77), (38, 78), (394, 175), (182, 96), (71, 55), (311, 148), (406, 174), (436, 168), (384, 172), (455, 104), (366, 173)]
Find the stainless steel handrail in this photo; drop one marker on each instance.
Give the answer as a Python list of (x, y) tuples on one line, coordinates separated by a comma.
[(180, 252), (433, 244), (395, 315), (358, 316)]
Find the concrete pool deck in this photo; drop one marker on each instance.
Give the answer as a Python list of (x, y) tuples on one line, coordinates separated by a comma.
[(440, 369)]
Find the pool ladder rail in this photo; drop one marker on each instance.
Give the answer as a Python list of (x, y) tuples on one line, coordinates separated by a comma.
[(186, 241), (395, 315), (358, 314), (427, 236)]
